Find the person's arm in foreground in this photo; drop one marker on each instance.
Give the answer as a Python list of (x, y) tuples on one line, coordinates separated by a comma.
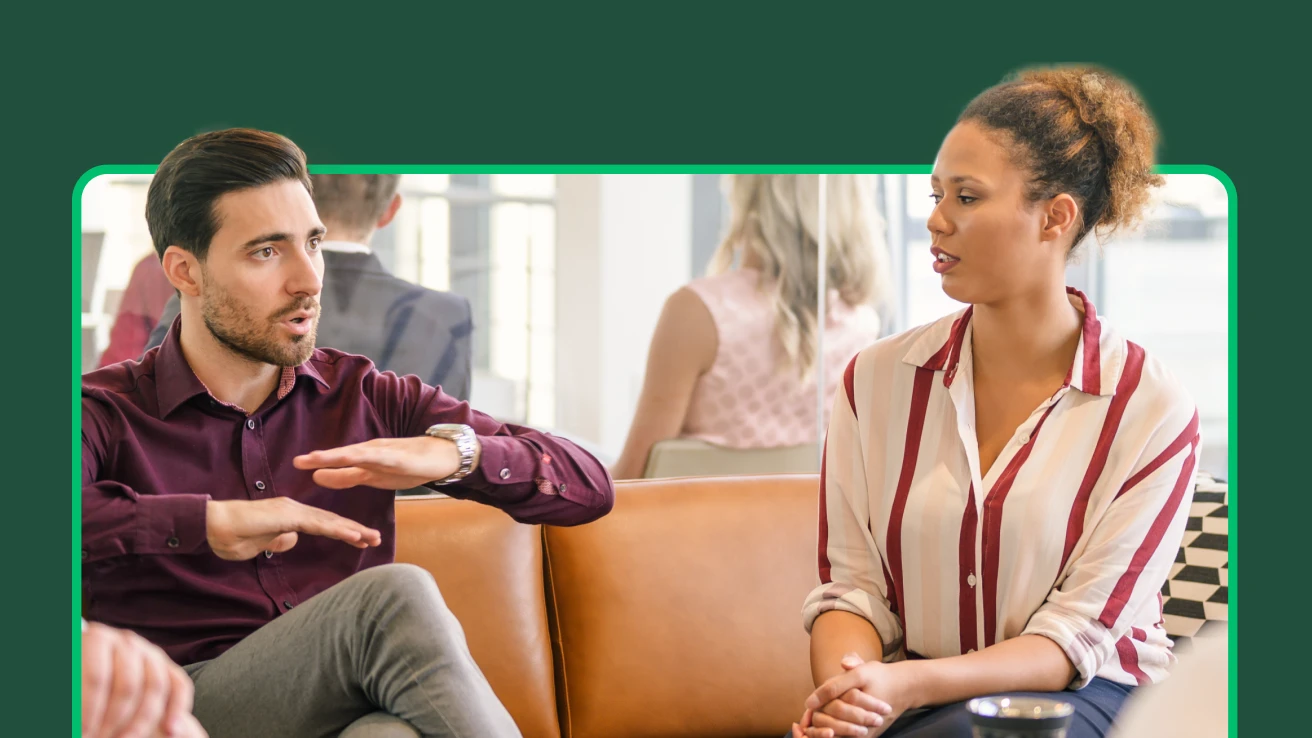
[(130, 688)]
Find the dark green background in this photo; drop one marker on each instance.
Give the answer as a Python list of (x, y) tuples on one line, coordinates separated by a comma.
[(661, 83)]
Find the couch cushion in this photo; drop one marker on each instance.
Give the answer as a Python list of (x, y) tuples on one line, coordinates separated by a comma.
[(679, 613), (1195, 598), (489, 569)]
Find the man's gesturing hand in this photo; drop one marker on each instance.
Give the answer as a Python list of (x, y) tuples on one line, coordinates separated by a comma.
[(385, 463), (241, 529)]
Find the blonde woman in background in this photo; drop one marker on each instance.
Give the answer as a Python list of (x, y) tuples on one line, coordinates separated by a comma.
[(733, 360)]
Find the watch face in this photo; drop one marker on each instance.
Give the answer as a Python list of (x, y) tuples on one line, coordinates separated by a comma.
[(449, 430)]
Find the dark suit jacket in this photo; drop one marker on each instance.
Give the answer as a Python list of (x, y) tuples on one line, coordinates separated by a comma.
[(402, 327)]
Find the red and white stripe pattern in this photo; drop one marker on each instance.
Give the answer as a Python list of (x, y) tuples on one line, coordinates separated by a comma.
[(1070, 534)]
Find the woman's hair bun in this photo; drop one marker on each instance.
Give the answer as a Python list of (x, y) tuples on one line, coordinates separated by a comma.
[(1081, 130)]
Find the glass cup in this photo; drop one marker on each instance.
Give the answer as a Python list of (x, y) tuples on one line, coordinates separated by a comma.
[(1002, 716)]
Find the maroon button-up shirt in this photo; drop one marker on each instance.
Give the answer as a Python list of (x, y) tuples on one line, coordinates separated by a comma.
[(156, 446)]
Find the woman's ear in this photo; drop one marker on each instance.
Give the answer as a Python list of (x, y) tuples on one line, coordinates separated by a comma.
[(183, 270), (1061, 217)]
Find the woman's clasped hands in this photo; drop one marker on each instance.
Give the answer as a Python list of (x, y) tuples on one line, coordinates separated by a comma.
[(862, 701)]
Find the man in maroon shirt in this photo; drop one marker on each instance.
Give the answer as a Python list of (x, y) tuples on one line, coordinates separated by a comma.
[(238, 483)]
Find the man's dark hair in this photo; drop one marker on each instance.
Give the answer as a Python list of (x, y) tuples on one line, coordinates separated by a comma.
[(200, 170), (353, 201)]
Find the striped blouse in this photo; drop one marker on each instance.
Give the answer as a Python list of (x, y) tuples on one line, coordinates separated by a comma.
[(1069, 535)]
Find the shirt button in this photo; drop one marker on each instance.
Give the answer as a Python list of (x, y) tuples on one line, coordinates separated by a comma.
[(268, 554), (250, 424), (287, 604), (561, 488), (505, 474), (1024, 438), (259, 485), (971, 580), (970, 650), (173, 542), (84, 555)]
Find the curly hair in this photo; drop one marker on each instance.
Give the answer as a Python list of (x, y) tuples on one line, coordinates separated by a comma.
[(1078, 130)]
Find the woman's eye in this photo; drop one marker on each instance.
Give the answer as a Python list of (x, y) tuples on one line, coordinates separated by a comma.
[(966, 199), (937, 198)]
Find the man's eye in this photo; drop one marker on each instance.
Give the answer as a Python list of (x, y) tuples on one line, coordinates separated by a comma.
[(314, 244), (265, 253)]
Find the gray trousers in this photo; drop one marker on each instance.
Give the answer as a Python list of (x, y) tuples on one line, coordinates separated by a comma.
[(379, 655)]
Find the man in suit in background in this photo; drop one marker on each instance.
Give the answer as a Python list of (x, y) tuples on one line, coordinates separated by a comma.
[(402, 327)]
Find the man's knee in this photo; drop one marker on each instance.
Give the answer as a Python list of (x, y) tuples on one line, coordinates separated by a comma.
[(404, 585), (398, 577), (380, 725), (403, 602)]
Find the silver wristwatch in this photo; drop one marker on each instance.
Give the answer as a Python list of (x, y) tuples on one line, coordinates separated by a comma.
[(466, 444)]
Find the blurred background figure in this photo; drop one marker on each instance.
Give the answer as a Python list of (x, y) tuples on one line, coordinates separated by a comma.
[(147, 293), (403, 327), (734, 360)]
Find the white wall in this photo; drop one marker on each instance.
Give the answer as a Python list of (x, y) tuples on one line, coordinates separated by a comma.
[(623, 244)]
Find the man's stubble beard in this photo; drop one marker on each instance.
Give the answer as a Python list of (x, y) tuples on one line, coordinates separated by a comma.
[(233, 326)]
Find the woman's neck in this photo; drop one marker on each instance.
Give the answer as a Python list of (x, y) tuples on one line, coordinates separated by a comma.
[(750, 260), (1026, 337)]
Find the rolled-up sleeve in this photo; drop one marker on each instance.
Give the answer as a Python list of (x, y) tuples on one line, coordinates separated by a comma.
[(534, 477), (849, 562), (1127, 558)]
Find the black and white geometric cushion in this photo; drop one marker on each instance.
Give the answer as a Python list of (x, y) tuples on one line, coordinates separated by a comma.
[(1195, 597)]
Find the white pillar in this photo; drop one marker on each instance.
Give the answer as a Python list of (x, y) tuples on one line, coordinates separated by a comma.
[(623, 245)]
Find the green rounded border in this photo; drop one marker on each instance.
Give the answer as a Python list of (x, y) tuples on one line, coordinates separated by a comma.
[(1232, 278)]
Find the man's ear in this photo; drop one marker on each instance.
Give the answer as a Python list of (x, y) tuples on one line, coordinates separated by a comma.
[(1061, 216), (183, 270), (390, 212)]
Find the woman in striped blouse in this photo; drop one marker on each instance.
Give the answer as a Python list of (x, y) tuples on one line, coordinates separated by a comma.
[(1004, 490)]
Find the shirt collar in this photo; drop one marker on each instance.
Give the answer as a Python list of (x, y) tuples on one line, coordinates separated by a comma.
[(345, 247), (176, 383), (1099, 357)]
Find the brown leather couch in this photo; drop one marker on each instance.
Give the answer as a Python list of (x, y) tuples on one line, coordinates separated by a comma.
[(678, 614)]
